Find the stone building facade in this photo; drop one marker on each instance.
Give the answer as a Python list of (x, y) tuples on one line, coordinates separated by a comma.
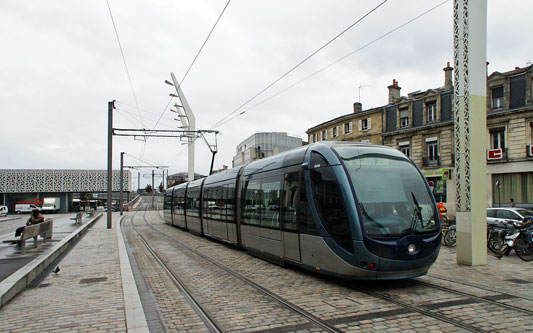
[(421, 126)]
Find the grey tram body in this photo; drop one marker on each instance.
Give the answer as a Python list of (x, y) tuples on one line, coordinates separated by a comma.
[(216, 207)]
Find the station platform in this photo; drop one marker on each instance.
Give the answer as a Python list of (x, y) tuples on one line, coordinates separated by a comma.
[(95, 288)]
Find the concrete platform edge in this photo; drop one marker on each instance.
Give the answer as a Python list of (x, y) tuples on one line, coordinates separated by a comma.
[(135, 317), (19, 280)]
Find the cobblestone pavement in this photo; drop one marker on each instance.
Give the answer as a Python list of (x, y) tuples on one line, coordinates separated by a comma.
[(233, 303), (347, 307), (86, 294)]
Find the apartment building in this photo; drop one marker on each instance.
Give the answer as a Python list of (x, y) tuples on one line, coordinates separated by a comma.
[(421, 126)]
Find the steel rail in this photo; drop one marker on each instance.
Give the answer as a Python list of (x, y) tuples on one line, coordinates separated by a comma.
[(210, 322), (322, 323)]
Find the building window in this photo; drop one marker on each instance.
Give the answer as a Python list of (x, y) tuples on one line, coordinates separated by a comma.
[(335, 131), (314, 137), (431, 112), (404, 117), (347, 128), (497, 138), (324, 135), (405, 148), (497, 98), (432, 151), (364, 124)]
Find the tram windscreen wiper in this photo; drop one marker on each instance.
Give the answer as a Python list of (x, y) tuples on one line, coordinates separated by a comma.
[(417, 216)]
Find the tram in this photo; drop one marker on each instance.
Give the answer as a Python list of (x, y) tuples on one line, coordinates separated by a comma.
[(352, 210)]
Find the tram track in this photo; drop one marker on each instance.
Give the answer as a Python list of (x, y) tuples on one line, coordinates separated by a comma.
[(432, 310), (211, 323), (481, 287), (207, 318), (477, 298)]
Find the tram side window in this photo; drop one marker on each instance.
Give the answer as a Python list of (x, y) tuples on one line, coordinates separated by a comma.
[(167, 203), (304, 218), (219, 210), (252, 202), (205, 202), (230, 199), (290, 201), (270, 189), (193, 203), (179, 207), (330, 206)]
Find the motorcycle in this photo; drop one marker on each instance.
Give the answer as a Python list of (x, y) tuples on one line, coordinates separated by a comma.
[(509, 235)]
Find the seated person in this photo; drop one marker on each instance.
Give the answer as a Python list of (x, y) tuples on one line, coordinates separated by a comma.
[(35, 218)]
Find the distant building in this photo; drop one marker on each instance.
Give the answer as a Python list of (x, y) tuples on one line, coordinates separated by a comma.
[(180, 177), (17, 185), (421, 125), (263, 144)]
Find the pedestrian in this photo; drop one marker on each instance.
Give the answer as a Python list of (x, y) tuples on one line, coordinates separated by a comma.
[(442, 209), (35, 218), (512, 202)]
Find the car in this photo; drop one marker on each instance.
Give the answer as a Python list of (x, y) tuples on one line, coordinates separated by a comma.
[(25, 208), (502, 214), (3, 210)]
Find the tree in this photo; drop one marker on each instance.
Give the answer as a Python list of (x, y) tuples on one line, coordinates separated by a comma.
[(148, 188)]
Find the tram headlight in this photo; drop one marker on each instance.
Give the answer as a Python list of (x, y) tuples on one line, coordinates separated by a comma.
[(411, 249)]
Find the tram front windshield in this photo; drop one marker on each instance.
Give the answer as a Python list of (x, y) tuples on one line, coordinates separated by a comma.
[(393, 198)]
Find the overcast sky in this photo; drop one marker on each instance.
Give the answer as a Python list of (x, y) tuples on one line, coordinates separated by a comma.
[(60, 64)]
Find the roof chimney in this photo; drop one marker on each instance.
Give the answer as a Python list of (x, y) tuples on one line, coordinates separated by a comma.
[(357, 107), (448, 81), (394, 91)]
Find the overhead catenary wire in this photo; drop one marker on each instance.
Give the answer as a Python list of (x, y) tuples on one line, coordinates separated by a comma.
[(287, 73), (205, 41), (124, 60), (141, 160), (334, 62), (299, 64)]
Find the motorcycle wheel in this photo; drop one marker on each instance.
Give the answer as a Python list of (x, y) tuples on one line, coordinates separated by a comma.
[(450, 238), (524, 249)]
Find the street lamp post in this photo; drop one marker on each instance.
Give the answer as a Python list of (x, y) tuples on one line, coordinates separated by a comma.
[(190, 124)]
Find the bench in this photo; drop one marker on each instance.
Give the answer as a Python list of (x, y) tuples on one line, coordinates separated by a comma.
[(91, 213), (77, 218), (44, 229)]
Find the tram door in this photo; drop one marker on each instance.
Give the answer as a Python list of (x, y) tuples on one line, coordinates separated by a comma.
[(289, 227)]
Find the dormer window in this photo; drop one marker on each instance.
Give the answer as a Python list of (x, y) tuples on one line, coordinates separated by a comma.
[(497, 98), (431, 112), (404, 117)]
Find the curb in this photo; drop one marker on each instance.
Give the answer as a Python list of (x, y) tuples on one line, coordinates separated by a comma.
[(135, 317), (22, 278)]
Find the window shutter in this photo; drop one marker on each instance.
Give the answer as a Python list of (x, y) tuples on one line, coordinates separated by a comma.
[(343, 128), (360, 125), (351, 127), (337, 127), (369, 122)]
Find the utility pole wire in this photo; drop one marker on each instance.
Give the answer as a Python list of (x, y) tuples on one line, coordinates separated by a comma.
[(300, 63), (333, 63), (124, 60)]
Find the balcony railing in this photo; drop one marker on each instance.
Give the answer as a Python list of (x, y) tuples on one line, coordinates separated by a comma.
[(433, 162)]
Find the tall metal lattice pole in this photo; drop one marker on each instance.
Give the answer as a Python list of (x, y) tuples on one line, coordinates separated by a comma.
[(470, 121)]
